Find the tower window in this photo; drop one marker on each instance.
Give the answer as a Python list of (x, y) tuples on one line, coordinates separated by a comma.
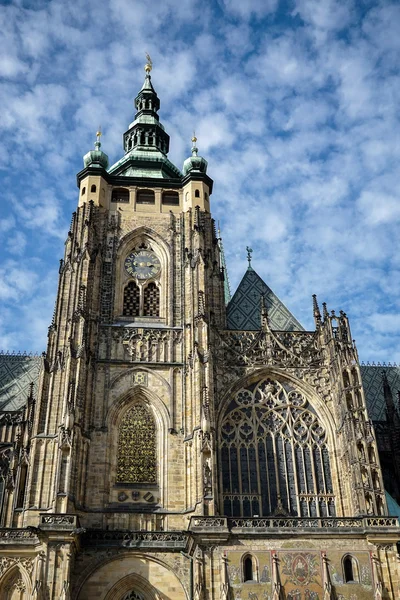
[(93, 188), (137, 456), (120, 195), (197, 194), (131, 300), (349, 569), (151, 301), (170, 198), (83, 191), (145, 197), (248, 569)]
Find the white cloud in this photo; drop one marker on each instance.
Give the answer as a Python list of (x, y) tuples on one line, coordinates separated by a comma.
[(296, 113)]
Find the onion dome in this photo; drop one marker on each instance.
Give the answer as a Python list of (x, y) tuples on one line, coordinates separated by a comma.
[(96, 157), (195, 162)]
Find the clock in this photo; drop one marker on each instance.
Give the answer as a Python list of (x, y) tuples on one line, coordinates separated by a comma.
[(142, 264)]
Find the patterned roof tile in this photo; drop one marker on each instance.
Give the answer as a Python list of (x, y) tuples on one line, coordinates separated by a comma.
[(17, 372), (244, 310)]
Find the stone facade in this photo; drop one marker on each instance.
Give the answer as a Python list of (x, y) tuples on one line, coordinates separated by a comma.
[(166, 456)]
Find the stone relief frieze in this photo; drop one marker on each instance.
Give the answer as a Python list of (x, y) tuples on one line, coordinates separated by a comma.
[(141, 344)]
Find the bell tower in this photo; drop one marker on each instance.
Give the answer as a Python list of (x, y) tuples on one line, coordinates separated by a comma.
[(178, 448), (127, 369)]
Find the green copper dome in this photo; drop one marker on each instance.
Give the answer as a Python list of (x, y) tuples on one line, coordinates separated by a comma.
[(96, 157), (195, 162)]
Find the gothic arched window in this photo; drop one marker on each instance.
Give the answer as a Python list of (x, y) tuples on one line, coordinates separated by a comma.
[(131, 300), (151, 300), (273, 454), (137, 447), (350, 568)]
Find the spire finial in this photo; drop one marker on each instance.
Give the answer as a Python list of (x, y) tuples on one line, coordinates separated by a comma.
[(194, 147), (316, 311), (97, 143), (149, 64), (249, 253)]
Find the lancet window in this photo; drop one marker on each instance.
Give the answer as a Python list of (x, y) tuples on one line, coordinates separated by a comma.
[(151, 300), (131, 300), (137, 444), (273, 454)]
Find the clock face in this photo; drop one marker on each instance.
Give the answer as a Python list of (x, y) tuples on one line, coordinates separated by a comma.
[(143, 264)]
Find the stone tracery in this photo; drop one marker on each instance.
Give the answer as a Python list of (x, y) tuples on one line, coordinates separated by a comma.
[(274, 455)]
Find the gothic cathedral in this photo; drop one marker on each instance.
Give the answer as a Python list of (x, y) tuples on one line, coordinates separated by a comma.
[(174, 446)]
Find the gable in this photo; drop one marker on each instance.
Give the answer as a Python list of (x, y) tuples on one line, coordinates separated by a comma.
[(243, 312)]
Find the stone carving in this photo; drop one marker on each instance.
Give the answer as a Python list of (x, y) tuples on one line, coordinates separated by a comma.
[(251, 348), (7, 562), (293, 522), (151, 345)]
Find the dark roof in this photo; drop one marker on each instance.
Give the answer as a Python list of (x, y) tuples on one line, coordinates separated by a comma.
[(243, 312), (373, 388), (17, 372)]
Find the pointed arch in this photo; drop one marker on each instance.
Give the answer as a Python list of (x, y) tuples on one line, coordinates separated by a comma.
[(274, 450), (15, 583), (151, 300), (152, 296), (147, 575), (137, 446)]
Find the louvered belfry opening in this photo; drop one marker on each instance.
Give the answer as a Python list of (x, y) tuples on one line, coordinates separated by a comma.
[(151, 300), (131, 306)]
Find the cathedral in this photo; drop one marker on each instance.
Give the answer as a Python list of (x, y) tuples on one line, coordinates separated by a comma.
[(176, 443)]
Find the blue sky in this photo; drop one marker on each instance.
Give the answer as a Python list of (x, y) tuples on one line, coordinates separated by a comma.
[(295, 106)]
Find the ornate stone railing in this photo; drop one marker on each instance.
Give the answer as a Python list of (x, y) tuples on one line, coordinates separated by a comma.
[(136, 539), (279, 523)]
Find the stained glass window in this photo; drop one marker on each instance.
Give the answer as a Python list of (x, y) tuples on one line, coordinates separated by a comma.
[(273, 454), (137, 458)]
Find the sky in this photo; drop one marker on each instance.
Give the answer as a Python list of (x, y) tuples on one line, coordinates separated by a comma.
[(296, 108)]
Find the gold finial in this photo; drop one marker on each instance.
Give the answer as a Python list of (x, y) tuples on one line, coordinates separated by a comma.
[(149, 65), (194, 138), (98, 133)]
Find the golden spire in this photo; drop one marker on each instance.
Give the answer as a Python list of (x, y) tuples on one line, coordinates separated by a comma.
[(194, 138), (149, 65), (97, 143)]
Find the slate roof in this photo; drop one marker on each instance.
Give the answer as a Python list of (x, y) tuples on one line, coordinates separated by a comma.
[(243, 312), (373, 388), (17, 371)]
